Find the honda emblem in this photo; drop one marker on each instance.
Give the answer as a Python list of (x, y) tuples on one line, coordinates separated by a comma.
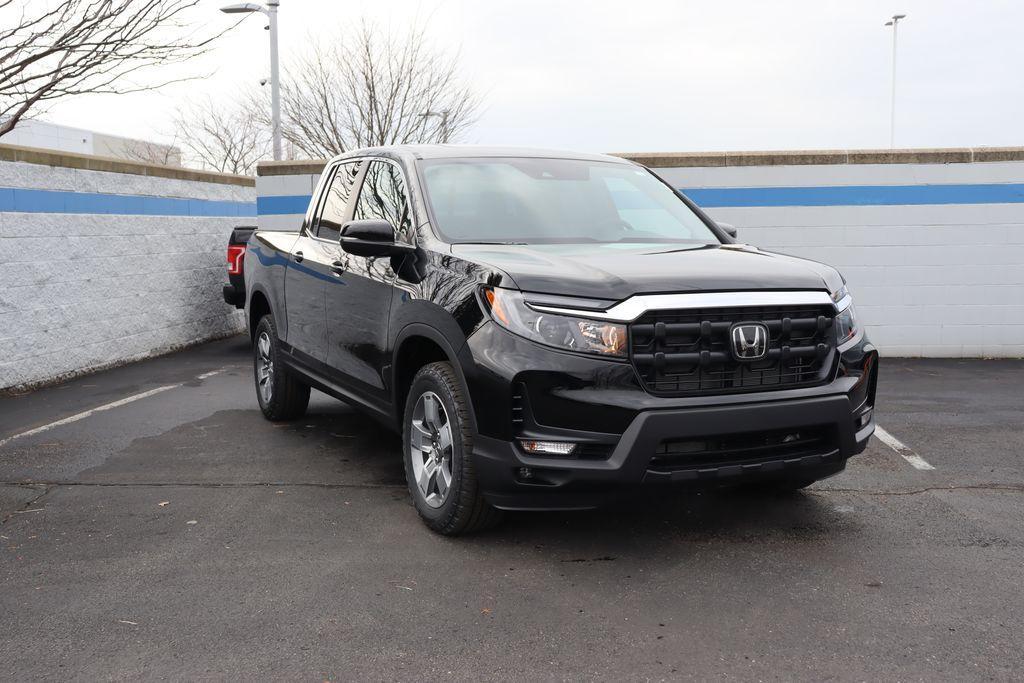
[(749, 341)]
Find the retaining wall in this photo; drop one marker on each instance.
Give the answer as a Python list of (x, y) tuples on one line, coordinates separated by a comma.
[(104, 261), (930, 241)]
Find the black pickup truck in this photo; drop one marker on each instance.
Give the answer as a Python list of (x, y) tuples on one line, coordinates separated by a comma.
[(553, 330)]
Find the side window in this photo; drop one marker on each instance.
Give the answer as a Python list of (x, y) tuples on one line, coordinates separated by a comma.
[(332, 213), (384, 196)]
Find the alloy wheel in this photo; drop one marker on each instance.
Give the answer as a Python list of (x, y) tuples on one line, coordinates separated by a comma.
[(430, 449), (264, 368)]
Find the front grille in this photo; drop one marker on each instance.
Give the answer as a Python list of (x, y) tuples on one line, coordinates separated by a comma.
[(688, 352), (742, 449)]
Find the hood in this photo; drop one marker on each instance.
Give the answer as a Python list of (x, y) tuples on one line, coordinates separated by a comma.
[(615, 271)]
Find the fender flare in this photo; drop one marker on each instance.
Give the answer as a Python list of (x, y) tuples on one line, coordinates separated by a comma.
[(459, 358), (258, 289)]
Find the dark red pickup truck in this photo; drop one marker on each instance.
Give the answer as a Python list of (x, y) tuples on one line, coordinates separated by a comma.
[(234, 289)]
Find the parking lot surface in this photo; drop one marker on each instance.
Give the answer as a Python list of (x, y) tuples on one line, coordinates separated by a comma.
[(162, 529)]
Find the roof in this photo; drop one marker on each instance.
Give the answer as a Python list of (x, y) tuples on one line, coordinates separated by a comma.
[(476, 151)]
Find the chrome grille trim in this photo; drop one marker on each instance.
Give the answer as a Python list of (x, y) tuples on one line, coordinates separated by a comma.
[(635, 306)]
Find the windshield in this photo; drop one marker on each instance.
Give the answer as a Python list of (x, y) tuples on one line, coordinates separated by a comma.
[(549, 201)]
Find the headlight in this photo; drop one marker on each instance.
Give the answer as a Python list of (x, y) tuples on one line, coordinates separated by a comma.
[(846, 325), (509, 310)]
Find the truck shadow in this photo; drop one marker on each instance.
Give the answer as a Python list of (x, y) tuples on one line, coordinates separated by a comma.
[(654, 518), (336, 447), (651, 519), (670, 516)]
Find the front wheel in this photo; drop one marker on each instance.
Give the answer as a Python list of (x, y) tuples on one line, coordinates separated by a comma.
[(437, 440), (280, 393)]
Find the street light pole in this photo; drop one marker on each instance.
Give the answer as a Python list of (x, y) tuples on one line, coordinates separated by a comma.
[(275, 78), (894, 22), (443, 114)]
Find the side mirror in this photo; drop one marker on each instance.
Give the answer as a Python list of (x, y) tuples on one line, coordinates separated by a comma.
[(372, 237), (730, 230)]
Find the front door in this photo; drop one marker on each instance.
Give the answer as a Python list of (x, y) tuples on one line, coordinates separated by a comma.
[(359, 302)]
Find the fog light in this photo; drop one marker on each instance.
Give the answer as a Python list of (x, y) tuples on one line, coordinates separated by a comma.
[(547, 447), (864, 418)]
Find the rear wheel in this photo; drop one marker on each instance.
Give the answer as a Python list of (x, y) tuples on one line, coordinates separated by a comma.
[(281, 395), (437, 440)]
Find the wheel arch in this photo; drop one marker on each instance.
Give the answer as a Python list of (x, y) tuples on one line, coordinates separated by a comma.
[(418, 345), (259, 306)]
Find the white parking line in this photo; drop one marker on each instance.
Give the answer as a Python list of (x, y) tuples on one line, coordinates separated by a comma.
[(106, 406), (901, 449)]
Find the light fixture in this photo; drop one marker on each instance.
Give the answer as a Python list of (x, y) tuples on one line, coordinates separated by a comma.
[(242, 8), (547, 447), (510, 310)]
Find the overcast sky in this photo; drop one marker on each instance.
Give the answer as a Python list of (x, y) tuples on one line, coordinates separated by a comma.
[(668, 75)]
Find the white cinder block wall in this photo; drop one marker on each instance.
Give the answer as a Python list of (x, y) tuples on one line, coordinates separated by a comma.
[(101, 267), (928, 279), (931, 241), (283, 190)]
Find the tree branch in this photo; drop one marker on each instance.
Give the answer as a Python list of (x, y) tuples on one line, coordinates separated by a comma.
[(50, 50)]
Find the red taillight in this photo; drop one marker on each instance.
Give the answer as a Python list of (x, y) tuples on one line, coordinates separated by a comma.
[(236, 252)]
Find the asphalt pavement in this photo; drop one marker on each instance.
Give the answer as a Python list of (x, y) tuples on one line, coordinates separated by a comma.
[(154, 526)]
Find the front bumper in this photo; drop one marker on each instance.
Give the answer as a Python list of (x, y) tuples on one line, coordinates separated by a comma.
[(513, 480), (598, 404)]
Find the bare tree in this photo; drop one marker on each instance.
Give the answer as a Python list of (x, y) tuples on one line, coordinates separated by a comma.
[(222, 136), (151, 152), (51, 49), (371, 88)]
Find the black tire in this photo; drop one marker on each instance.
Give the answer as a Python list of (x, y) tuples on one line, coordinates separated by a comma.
[(463, 509), (282, 396)]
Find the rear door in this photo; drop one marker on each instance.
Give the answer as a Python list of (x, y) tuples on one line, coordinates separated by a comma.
[(359, 303), (310, 267)]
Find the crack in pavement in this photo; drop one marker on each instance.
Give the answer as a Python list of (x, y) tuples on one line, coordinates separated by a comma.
[(24, 508), (1017, 488)]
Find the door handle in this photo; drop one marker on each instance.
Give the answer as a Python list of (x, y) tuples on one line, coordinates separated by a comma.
[(338, 268), (298, 257)]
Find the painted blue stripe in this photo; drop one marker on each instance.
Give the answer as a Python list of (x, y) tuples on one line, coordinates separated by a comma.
[(280, 205), (857, 195), (58, 201), (839, 195)]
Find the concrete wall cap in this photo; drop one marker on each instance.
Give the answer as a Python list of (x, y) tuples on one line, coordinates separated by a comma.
[(47, 157), (302, 167), (958, 155), (954, 155)]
